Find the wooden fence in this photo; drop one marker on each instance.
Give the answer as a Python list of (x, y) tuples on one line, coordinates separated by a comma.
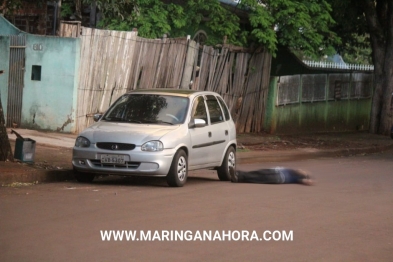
[(242, 79), (113, 62), (70, 29)]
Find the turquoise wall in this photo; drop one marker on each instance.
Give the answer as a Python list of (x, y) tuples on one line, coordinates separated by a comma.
[(50, 103), (322, 116), (6, 28)]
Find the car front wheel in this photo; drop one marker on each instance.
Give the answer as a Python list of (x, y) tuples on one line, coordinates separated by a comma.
[(177, 175), (229, 160)]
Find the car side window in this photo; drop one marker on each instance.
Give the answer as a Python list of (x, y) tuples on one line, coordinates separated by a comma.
[(199, 109), (214, 108), (224, 107)]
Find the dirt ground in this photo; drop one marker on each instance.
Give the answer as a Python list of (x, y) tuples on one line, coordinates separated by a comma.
[(48, 157)]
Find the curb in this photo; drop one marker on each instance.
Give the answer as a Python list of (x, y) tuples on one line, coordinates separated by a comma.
[(285, 155), (33, 175)]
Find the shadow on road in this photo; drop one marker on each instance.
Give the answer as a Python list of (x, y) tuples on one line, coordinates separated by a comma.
[(144, 181)]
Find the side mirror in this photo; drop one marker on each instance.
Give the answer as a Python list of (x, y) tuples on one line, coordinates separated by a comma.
[(97, 117), (197, 123)]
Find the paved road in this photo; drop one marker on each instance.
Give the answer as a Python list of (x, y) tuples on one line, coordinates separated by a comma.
[(347, 216)]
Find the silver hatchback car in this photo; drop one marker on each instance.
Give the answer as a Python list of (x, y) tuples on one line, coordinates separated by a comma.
[(158, 132)]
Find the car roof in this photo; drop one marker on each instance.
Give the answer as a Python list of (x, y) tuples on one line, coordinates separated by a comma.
[(171, 91)]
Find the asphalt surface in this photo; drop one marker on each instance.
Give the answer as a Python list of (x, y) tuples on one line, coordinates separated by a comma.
[(53, 152), (346, 216)]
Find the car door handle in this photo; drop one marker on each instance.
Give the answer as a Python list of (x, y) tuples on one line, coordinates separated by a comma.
[(226, 132), (210, 134)]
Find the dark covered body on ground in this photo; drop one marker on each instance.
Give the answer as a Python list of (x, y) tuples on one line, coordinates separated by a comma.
[(53, 157)]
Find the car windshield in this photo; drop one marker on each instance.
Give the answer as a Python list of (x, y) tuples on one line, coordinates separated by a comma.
[(148, 108)]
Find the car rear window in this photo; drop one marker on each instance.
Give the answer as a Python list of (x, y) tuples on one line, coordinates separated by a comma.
[(224, 107)]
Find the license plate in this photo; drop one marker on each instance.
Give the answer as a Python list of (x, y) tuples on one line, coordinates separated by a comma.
[(112, 159)]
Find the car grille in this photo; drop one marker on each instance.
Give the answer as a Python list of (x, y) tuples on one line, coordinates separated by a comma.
[(115, 146), (126, 165)]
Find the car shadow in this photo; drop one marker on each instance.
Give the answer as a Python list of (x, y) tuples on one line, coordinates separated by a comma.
[(145, 181)]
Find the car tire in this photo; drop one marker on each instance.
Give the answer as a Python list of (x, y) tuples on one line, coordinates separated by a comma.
[(83, 177), (177, 175), (229, 160)]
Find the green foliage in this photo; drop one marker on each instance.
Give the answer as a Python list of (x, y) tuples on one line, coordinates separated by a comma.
[(302, 24), (67, 9), (357, 53), (8, 7), (119, 9), (152, 19), (351, 26)]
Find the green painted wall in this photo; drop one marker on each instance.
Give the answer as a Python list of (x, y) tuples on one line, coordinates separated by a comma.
[(4, 63), (50, 103), (270, 110), (323, 116)]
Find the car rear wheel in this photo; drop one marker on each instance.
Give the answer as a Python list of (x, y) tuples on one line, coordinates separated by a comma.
[(229, 160), (83, 177), (177, 175)]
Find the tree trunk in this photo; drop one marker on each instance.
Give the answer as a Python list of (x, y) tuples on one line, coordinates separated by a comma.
[(376, 107), (387, 99), (78, 10), (381, 34)]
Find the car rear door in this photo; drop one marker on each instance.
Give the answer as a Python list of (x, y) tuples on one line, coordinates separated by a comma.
[(219, 129), (201, 137)]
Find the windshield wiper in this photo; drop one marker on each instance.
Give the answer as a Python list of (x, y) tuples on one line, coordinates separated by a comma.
[(134, 121), (157, 122), (120, 119)]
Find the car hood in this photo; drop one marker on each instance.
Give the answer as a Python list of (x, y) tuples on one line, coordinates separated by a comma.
[(125, 132)]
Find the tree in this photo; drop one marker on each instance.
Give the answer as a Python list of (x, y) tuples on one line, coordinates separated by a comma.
[(299, 24), (154, 18), (372, 20), (8, 7), (357, 54)]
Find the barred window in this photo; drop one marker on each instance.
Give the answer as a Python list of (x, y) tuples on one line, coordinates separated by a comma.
[(338, 86), (313, 88), (288, 90)]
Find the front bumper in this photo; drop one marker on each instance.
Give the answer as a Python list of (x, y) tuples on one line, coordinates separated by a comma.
[(137, 162)]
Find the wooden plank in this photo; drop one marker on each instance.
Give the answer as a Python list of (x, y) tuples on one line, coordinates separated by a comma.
[(114, 62)]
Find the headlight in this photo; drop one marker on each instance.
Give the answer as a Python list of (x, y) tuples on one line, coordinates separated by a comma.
[(82, 142), (152, 146)]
